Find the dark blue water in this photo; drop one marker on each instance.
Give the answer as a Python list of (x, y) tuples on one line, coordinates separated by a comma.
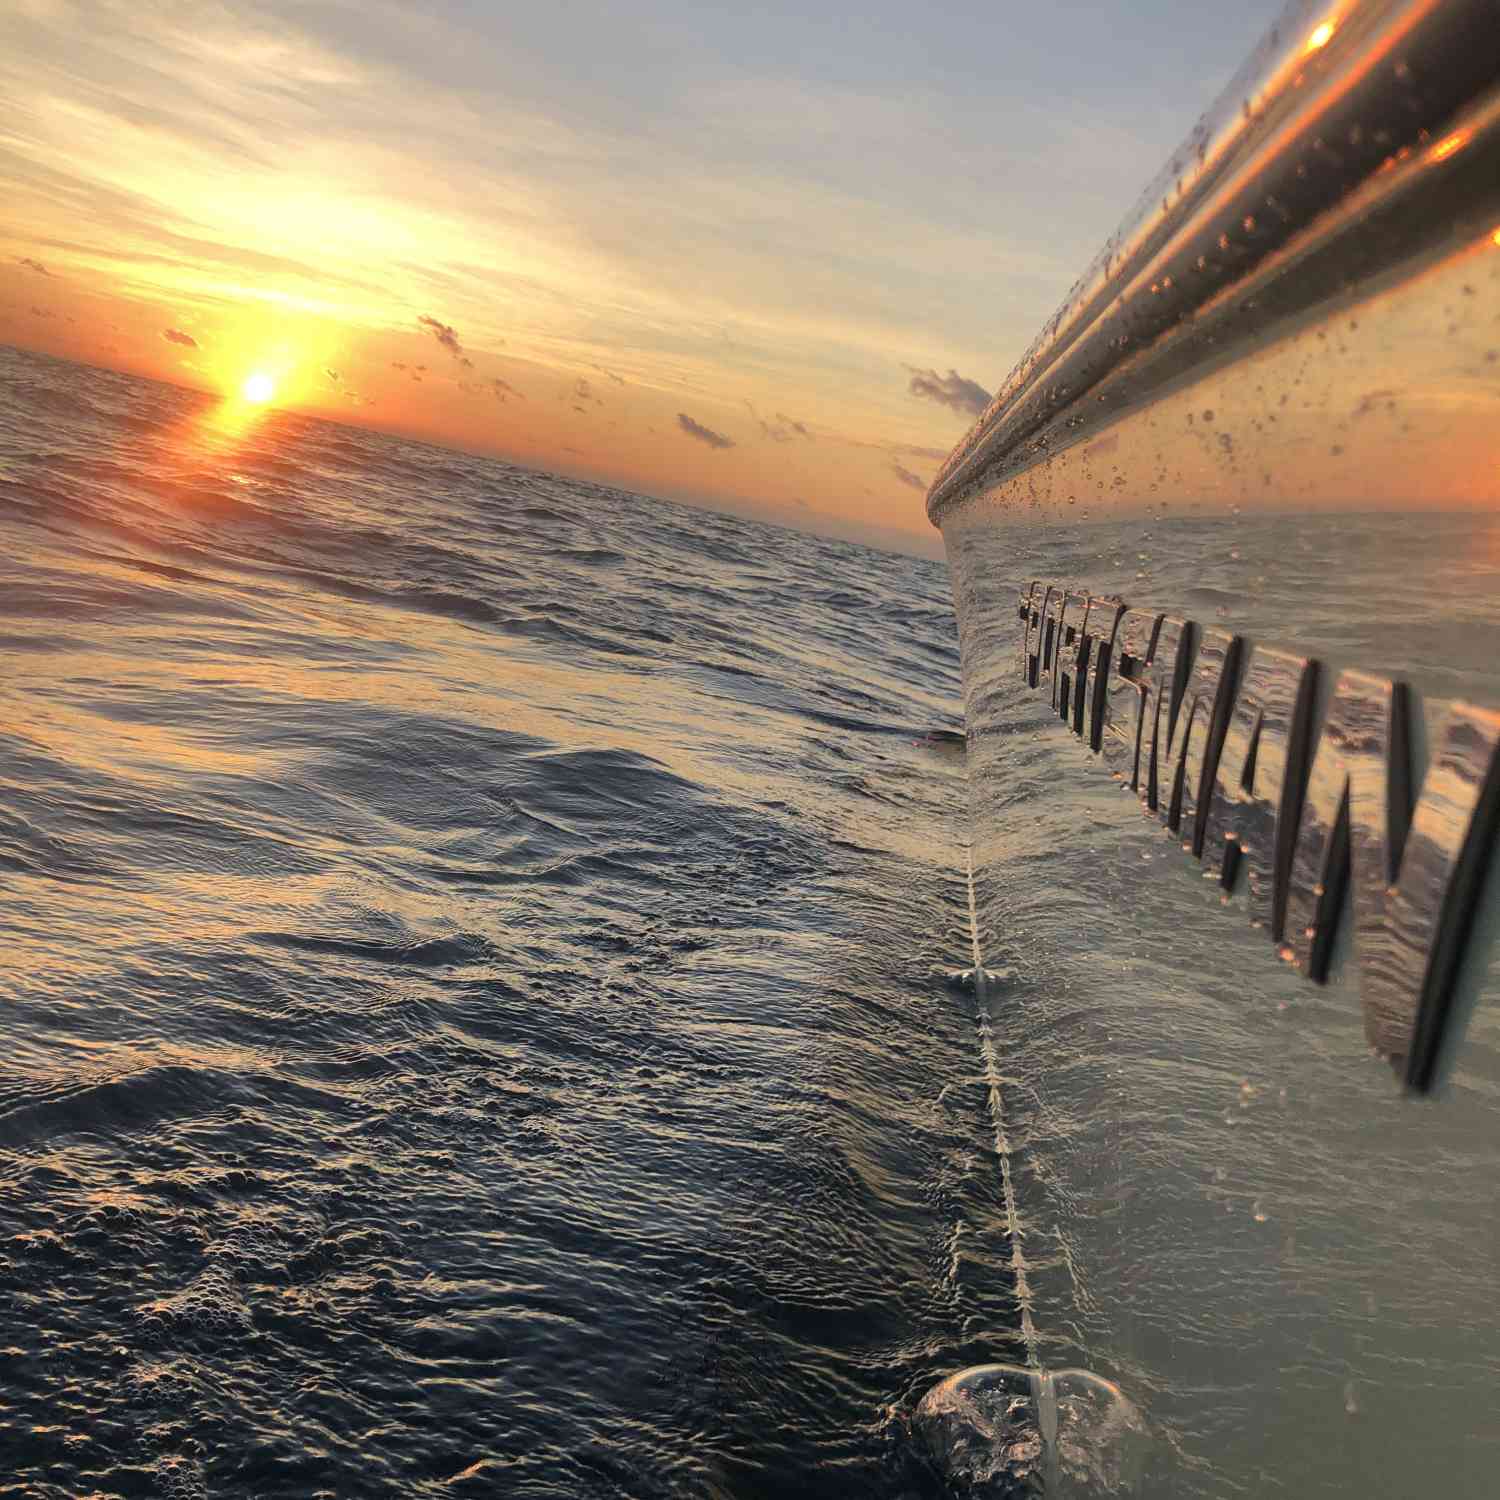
[(471, 957)]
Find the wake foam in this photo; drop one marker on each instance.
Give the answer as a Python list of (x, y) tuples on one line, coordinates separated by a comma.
[(1002, 1430), (1011, 1430)]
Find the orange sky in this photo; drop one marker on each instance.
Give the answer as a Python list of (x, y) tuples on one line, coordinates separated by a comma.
[(734, 272)]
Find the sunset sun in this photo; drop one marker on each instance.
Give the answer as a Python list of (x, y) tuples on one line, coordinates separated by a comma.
[(259, 388)]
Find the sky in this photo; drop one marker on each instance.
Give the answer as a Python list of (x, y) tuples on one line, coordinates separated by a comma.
[(752, 258)]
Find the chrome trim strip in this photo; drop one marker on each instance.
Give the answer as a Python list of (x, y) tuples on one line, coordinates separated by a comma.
[(1344, 110)]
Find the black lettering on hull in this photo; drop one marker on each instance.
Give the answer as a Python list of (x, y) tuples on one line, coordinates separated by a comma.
[(1218, 741)]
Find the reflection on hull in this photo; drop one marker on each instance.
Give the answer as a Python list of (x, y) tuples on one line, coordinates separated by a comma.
[(1266, 417), (1286, 1265)]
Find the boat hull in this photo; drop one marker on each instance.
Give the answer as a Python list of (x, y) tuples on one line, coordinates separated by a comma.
[(1226, 563)]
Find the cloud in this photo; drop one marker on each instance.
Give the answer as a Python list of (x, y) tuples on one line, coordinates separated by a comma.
[(782, 430), (609, 375), (35, 265), (951, 390), (397, 365), (177, 336), (501, 390), (906, 476), (445, 335), (702, 433)]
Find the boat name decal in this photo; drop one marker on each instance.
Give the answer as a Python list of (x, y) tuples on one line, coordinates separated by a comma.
[(1297, 785)]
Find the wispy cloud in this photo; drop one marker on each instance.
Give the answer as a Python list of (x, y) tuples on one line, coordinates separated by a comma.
[(951, 390), (445, 334), (501, 390), (177, 336), (702, 433), (35, 265), (780, 430), (906, 476)]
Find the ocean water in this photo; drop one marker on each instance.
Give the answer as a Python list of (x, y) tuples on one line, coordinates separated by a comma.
[(472, 966)]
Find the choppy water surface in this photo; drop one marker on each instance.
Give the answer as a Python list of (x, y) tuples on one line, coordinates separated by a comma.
[(472, 978)]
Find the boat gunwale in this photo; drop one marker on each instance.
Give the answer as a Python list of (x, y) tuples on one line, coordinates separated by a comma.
[(1262, 173)]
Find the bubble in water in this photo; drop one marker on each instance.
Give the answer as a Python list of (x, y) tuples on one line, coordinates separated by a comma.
[(1000, 1430), (181, 1477), (211, 1301), (162, 1382)]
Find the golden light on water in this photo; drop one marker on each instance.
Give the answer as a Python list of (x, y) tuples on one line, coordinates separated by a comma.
[(259, 388), (275, 379)]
